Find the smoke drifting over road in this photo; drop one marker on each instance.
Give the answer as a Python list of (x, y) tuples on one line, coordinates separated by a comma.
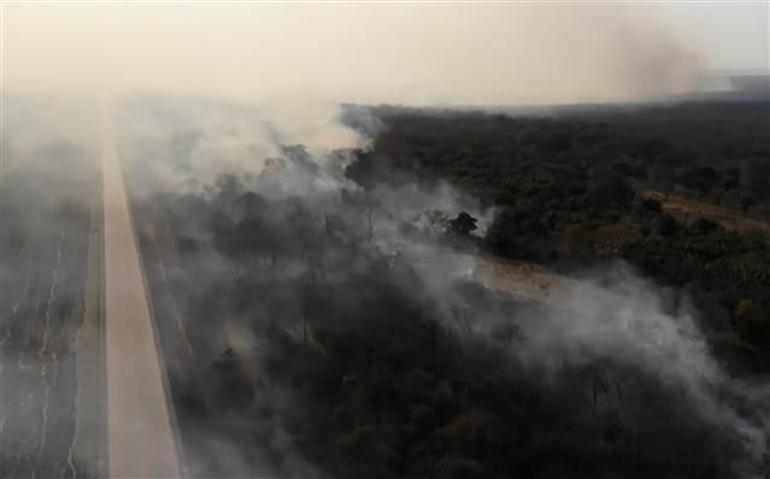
[(260, 248), (299, 295), (295, 251)]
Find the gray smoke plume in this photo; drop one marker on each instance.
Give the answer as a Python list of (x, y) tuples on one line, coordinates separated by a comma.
[(310, 229)]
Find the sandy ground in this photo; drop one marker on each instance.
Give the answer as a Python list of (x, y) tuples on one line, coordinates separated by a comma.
[(140, 433), (525, 279), (729, 218)]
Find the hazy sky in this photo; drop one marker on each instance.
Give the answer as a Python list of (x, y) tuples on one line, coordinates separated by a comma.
[(377, 52), (731, 35)]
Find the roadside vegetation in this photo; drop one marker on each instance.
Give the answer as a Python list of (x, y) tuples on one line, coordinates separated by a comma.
[(46, 213), (289, 326)]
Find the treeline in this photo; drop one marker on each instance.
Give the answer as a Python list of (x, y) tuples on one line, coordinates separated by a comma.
[(568, 191), (361, 373), (308, 335)]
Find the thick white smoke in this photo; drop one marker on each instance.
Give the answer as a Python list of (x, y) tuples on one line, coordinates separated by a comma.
[(397, 53), (611, 314)]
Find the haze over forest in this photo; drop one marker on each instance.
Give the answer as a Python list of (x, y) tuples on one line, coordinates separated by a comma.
[(386, 240)]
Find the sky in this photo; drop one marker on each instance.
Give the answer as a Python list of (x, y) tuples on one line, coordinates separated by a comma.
[(417, 53), (732, 35)]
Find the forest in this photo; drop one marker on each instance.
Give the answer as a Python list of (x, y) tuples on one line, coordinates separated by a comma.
[(332, 331), (593, 184)]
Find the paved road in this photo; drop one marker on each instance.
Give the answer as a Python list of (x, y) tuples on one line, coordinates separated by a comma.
[(140, 432)]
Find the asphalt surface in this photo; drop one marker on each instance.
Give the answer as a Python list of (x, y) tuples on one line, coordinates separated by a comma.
[(140, 431)]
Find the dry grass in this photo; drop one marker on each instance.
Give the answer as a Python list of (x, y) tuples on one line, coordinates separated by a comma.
[(729, 218), (525, 278)]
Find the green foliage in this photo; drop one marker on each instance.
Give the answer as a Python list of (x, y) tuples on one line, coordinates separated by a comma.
[(463, 224), (753, 322), (703, 226), (667, 226), (652, 205), (611, 191), (756, 176), (558, 183), (699, 178), (372, 385)]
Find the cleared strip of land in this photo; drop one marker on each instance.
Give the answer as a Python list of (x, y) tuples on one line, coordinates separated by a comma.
[(729, 218)]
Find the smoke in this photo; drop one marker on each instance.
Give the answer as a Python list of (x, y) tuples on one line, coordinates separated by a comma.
[(333, 53), (613, 313), (249, 242), (256, 245), (191, 143), (294, 247), (46, 208), (255, 238)]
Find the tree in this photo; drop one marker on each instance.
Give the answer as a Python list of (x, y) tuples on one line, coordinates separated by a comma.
[(663, 177), (502, 235), (611, 190), (651, 204), (756, 175), (701, 179), (463, 224), (667, 226), (747, 201), (732, 178), (752, 322), (704, 226)]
